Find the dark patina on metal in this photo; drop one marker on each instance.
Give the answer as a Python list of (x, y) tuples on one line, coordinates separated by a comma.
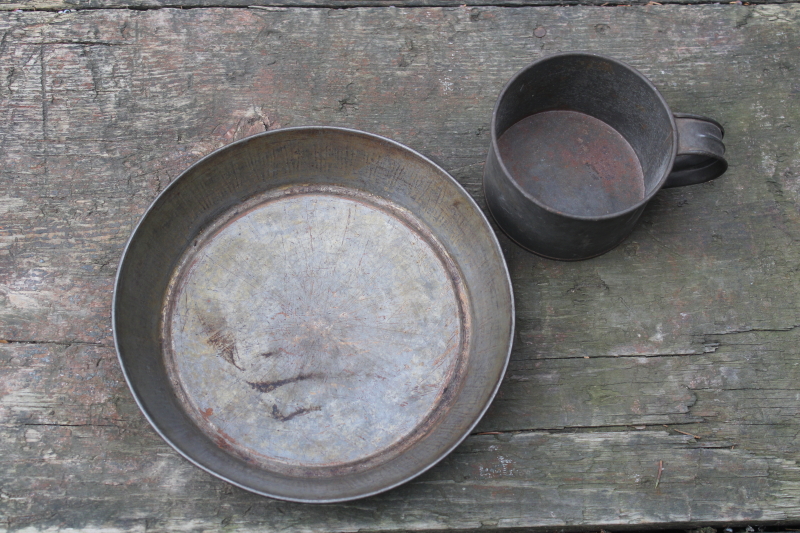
[(580, 144), (313, 314)]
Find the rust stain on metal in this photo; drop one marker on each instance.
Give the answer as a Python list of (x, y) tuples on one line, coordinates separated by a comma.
[(225, 441), (269, 386), (220, 338), (277, 415), (573, 163)]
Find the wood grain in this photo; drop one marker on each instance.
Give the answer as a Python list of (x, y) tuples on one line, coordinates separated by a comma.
[(77, 5), (692, 323)]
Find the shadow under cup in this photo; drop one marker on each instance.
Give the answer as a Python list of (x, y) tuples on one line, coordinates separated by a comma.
[(580, 143)]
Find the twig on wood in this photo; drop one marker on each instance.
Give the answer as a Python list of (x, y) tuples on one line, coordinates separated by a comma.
[(489, 433), (683, 432), (660, 469)]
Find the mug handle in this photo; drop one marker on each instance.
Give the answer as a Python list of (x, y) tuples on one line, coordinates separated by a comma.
[(700, 151)]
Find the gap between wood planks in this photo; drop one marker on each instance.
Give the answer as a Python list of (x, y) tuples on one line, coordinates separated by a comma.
[(53, 343), (620, 428), (58, 7)]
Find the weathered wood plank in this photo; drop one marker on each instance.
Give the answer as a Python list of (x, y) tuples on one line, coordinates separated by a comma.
[(149, 88), (75, 5), (108, 469), (692, 323), (102, 476), (738, 394)]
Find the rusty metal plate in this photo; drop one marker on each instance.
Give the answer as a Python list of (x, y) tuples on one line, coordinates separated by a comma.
[(313, 314)]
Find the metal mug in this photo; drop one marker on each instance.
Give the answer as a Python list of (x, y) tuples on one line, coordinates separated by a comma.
[(579, 144)]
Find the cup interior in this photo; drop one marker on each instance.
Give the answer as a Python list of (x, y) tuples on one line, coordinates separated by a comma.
[(584, 135)]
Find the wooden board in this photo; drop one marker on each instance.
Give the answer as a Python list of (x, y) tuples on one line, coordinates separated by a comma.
[(76, 5), (678, 349)]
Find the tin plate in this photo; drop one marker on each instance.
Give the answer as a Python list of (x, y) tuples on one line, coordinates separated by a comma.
[(315, 326), (313, 314)]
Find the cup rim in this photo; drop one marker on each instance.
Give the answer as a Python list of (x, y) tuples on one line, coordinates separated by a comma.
[(539, 203)]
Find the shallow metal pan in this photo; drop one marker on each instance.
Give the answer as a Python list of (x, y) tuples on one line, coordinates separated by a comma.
[(313, 314)]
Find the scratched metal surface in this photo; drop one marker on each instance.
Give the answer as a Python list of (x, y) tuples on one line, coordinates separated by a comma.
[(316, 329), (314, 314)]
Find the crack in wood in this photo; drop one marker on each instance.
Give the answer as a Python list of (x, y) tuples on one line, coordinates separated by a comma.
[(65, 425), (626, 356), (639, 428), (86, 43), (753, 330), (55, 343)]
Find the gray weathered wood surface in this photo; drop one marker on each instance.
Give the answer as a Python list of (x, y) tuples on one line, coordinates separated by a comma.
[(679, 348), (61, 5)]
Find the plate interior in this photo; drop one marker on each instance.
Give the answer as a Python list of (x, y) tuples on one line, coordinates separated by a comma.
[(315, 326)]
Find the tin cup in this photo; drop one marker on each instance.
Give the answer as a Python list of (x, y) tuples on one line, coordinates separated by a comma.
[(580, 144)]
